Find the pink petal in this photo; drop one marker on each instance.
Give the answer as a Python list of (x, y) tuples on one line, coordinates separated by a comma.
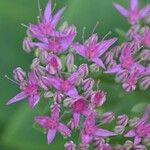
[(103, 46), (33, 100), (134, 4), (64, 129), (80, 49), (121, 9), (76, 119), (40, 45), (42, 120), (57, 17), (131, 133), (74, 78), (92, 40), (51, 135), (98, 62), (104, 133), (55, 112), (145, 11), (48, 12), (115, 69), (137, 140), (33, 78), (86, 138), (72, 92), (17, 98)]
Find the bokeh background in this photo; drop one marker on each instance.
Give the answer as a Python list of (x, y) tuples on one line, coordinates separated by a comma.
[(16, 131)]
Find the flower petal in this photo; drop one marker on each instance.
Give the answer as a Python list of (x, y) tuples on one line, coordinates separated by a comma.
[(72, 92), (76, 119), (103, 46), (86, 138), (134, 4), (80, 49), (57, 17), (104, 133), (98, 62), (131, 133), (64, 129), (17, 98), (42, 120), (33, 100), (48, 12), (115, 69), (137, 140), (145, 11), (121, 9), (51, 135)]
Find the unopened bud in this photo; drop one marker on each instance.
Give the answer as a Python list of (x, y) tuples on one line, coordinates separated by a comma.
[(88, 84), (122, 120), (27, 44), (119, 129), (48, 94), (83, 70), (44, 83), (19, 74), (58, 96), (70, 146), (83, 147), (107, 117)]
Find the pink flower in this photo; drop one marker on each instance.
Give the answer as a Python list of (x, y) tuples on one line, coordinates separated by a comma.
[(52, 124), (46, 26), (57, 44), (93, 50), (66, 85), (79, 107), (126, 60), (30, 90), (90, 130), (142, 129), (133, 14)]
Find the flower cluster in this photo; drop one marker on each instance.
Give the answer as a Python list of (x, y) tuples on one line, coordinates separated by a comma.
[(130, 61), (71, 93)]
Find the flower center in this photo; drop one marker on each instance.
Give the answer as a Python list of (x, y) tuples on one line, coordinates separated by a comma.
[(134, 16), (90, 129), (54, 62), (79, 105), (46, 28), (66, 85), (54, 45), (143, 130), (31, 89), (127, 63), (52, 123)]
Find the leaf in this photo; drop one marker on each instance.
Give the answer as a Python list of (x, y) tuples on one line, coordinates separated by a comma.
[(39, 128), (138, 108)]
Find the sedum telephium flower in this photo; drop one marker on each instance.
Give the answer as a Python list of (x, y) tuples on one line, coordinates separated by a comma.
[(133, 14), (71, 88)]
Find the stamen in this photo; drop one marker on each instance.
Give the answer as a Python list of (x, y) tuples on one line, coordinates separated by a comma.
[(24, 25), (106, 35), (83, 33), (40, 9), (95, 27), (11, 80)]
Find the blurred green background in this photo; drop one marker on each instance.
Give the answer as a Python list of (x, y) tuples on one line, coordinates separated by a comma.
[(16, 132)]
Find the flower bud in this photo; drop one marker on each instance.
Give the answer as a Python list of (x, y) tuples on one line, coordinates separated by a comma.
[(98, 142), (122, 120), (54, 64), (48, 94), (44, 83), (133, 122), (83, 147), (19, 74), (140, 147), (145, 83), (67, 102), (27, 44), (83, 70), (119, 147), (119, 129), (70, 63), (107, 117), (70, 146), (106, 147), (58, 96), (88, 84), (94, 68), (98, 98)]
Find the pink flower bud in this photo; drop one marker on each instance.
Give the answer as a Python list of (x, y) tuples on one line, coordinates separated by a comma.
[(44, 83), (122, 120), (88, 84), (54, 64), (98, 98), (58, 96), (145, 83), (107, 117), (119, 147), (67, 102), (70, 146), (19, 74), (70, 63), (133, 122), (83, 70), (27, 44), (94, 68), (140, 147), (98, 142)]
